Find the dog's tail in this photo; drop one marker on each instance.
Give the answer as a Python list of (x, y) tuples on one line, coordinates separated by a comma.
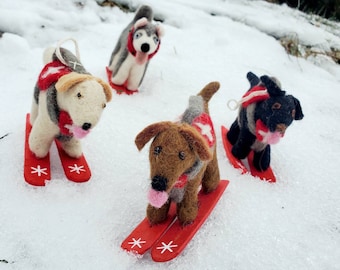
[(48, 55), (209, 90)]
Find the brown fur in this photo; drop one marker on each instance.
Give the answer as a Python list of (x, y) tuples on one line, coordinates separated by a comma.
[(175, 138)]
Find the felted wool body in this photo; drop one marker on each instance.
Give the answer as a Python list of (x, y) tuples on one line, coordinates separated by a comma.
[(263, 118), (138, 42), (182, 156), (67, 104)]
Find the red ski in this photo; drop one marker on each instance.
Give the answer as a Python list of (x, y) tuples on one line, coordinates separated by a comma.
[(142, 238), (176, 238), (168, 239), (266, 175), (75, 169), (36, 170)]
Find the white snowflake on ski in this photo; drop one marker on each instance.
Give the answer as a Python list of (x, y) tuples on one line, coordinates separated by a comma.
[(38, 170), (166, 247), (137, 242), (76, 168)]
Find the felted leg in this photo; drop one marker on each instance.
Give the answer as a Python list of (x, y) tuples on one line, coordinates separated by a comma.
[(40, 138), (233, 132), (157, 215), (261, 159), (211, 177), (187, 209), (72, 148), (241, 148)]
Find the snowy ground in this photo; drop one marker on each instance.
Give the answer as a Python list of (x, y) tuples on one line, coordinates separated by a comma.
[(293, 224)]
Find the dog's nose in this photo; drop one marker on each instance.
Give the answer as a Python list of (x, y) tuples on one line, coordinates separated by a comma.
[(86, 126), (159, 183), (145, 47)]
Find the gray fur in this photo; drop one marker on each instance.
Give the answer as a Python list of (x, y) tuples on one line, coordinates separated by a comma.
[(177, 194), (195, 108), (72, 61)]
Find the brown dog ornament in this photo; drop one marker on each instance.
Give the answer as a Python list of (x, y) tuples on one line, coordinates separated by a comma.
[(182, 159)]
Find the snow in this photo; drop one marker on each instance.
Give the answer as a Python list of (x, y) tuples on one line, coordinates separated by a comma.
[(292, 224)]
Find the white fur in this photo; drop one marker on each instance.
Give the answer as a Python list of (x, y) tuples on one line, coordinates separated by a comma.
[(129, 70), (85, 109)]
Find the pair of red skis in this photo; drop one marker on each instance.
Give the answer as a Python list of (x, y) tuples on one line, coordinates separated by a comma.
[(38, 170)]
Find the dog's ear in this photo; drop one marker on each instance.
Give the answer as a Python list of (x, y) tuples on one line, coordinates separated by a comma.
[(298, 114), (253, 79), (69, 80), (149, 132), (160, 30), (273, 88), (107, 89), (141, 22), (198, 143)]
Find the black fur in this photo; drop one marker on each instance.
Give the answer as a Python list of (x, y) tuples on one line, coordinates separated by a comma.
[(277, 113)]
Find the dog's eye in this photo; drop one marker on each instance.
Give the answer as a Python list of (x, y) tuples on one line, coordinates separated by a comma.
[(157, 150), (181, 155), (104, 106), (276, 106), (155, 39), (79, 95), (137, 35)]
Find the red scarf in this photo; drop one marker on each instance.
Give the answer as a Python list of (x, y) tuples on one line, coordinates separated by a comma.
[(51, 73)]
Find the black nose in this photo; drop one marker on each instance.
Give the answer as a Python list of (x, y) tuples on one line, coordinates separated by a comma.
[(159, 183), (145, 47), (86, 126)]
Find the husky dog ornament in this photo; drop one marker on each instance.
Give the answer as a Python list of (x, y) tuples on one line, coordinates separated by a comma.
[(137, 44)]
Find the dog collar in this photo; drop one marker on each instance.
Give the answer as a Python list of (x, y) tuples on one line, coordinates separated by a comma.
[(63, 123), (181, 181), (264, 135), (132, 49), (51, 74)]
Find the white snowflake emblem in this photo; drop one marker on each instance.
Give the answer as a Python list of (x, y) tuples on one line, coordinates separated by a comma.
[(166, 247), (206, 131), (76, 168), (137, 242), (39, 171)]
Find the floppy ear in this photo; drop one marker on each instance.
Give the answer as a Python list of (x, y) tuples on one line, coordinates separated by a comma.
[(107, 89), (149, 132), (69, 80), (298, 110), (198, 143)]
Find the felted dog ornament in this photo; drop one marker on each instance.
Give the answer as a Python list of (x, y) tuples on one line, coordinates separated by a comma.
[(67, 104), (264, 115), (137, 44), (182, 156)]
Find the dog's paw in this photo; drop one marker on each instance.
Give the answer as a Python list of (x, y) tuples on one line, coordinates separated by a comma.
[(239, 152), (72, 148)]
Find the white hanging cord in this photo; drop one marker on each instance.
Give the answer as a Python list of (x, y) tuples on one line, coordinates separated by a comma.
[(58, 53), (233, 104)]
